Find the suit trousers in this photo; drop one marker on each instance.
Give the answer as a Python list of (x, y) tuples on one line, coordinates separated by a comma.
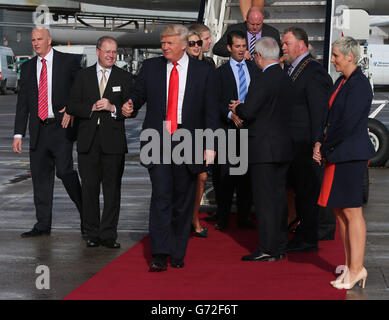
[(171, 209), (53, 152), (304, 177), (271, 206), (242, 185), (96, 168)]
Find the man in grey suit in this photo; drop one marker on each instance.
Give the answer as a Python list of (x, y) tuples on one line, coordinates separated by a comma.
[(253, 28)]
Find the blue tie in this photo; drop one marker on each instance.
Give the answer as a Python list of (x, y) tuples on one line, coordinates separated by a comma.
[(242, 83)]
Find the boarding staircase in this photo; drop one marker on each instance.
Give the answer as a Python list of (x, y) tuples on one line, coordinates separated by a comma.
[(309, 15)]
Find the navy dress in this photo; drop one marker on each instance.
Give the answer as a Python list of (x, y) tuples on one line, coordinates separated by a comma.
[(346, 145)]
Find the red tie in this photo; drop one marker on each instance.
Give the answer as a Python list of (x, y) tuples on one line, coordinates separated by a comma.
[(43, 99), (172, 100)]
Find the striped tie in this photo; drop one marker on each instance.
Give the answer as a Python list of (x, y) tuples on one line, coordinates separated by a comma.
[(43, 110), (242, 83), (252, 45)]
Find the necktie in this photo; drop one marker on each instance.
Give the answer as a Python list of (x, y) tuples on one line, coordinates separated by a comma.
[(172, 101), (43, 110), (252, 45), (290, 70), (242, 83), (103, 82)]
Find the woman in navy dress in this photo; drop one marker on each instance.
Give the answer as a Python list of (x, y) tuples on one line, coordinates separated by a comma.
[(347, 148)]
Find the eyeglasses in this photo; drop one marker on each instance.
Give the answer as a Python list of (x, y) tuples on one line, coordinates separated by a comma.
[(193, 43), (109, 52)]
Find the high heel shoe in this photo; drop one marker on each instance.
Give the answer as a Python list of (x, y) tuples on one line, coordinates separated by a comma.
[(340, 278), (360, 279)]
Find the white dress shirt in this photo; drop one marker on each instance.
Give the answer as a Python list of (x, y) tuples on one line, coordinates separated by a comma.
[(49, 66), (99, 70), (182, 69)]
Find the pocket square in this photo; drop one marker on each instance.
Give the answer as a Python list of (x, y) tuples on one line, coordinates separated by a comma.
[(116, 89)]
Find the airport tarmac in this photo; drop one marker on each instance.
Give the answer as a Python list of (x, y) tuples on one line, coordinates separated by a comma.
[(71, 263)]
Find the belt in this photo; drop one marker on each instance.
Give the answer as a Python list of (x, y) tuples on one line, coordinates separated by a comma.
[(48, 121)]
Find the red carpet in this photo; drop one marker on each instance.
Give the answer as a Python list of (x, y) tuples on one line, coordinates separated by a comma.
[(213, 270)]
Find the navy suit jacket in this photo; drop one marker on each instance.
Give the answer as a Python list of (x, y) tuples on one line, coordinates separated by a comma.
[(65, 68), (199, 110), (311, 90), (227, 90), (267, 108), (347, 137)]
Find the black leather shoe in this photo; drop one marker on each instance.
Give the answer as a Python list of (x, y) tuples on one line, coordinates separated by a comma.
[(159, 263), (110, 244), (301, 246), (246, 225), (212, 217), (202, 234), (35, 233), (177, 263), (221, 226), (92, 243), (259, 256)]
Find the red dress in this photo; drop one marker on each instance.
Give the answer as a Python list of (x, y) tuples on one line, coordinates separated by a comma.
[(329, 170)]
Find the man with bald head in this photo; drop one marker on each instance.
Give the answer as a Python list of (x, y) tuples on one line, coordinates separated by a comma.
[(42, 102), (253, 28)]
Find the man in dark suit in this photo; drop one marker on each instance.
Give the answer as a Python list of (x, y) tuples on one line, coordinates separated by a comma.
[(97, 97), (267, 109), (234, 78), (43, 98), (253, 28), (180, 91), (311, 85)]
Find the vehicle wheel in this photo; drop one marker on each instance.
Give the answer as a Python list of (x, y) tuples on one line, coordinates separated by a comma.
[(379, 136), (365, 190)]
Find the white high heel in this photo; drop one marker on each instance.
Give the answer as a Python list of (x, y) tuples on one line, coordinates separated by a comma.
[(360, 279)]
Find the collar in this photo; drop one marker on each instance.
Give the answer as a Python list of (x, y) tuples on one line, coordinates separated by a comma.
[(299, 59), (183, 62), (99, 68), (233, 62), (268, 66), (48, 57)]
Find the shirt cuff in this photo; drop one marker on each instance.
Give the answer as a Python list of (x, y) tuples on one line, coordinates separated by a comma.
[(113, 114), (20, 136), (229, 115)]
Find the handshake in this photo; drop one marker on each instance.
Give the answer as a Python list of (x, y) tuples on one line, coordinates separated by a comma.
[(232, 106), (128, 108)]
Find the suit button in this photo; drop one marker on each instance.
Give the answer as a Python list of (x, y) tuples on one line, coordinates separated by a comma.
[(328, 125)]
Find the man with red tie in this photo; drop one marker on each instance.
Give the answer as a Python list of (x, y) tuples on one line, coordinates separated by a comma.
[(179, 92), (45, 85)]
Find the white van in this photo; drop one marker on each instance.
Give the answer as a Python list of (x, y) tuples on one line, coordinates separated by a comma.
[(8, 74)]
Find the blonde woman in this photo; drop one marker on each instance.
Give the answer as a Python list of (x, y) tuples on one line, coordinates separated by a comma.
[(347, 149)]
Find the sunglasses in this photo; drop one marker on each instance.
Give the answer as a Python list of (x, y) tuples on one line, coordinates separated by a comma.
[(193, 43)]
